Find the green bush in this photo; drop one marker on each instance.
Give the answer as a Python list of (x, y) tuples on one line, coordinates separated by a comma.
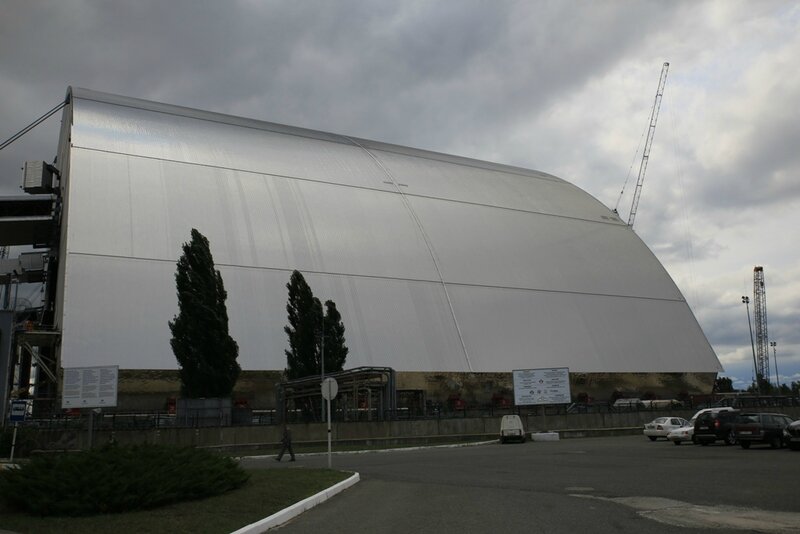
[(117, 479)]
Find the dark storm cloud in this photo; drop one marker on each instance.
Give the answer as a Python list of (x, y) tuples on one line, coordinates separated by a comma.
[(433, 75), (486, 60)]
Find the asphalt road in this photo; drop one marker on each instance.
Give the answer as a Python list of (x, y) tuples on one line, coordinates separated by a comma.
[(597, 485)]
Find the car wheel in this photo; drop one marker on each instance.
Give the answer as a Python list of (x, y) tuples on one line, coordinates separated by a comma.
[(676, 442), (775, 443), (730, 438), (794, 446), (745, 444), (652, 438), (703, 443)]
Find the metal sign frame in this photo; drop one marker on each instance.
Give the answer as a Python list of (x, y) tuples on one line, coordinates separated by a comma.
[(90, 387), (541, 386), (19, 411)]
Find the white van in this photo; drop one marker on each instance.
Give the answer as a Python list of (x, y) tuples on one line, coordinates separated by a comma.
[(511, 429), (630, 404)]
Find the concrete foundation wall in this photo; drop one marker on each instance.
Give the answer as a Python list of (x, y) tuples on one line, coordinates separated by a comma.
[(151, 389)]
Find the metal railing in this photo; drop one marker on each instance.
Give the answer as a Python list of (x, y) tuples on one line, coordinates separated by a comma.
[(160, 419)]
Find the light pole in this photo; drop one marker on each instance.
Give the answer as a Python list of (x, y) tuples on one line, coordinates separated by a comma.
[(774, 345), (322, 360), (746, 301)]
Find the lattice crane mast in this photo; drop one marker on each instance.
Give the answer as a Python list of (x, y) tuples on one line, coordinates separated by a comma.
[(760, 318), (646, 153)]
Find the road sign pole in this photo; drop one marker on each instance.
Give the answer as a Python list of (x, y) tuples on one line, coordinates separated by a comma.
[(14, 442), (329, 432), (329, 390)]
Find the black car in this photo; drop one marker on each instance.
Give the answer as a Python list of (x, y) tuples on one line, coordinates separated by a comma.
[(791, 436), (715, 425), (761, 428)]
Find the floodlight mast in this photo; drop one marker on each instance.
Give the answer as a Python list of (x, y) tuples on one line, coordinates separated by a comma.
[(646, 153)]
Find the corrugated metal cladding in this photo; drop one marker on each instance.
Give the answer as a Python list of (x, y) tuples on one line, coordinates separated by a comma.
[(437, 263)]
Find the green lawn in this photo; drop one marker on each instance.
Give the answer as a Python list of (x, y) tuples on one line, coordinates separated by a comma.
[(267, 492)]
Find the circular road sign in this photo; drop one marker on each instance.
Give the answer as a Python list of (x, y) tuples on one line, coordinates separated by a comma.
[(330, 388)]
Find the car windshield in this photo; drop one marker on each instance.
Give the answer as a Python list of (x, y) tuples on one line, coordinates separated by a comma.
[(748, 418)]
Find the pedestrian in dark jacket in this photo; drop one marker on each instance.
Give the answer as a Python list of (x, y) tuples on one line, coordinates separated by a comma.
[(286, 444)]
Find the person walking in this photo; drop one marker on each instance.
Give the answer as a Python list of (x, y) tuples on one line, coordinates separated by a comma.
[(286, 444)]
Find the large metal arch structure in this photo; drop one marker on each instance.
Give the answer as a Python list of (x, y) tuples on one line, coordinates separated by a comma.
[(437, 263)]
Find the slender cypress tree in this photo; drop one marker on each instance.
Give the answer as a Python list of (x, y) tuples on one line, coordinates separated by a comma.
[(305, 318), (305, 331), (200, 340), (335, 348)]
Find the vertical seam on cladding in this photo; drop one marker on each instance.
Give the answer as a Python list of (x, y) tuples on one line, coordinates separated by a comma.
[(428, 244)]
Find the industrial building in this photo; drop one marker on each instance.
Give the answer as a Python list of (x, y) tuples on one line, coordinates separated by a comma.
[(451, 271)]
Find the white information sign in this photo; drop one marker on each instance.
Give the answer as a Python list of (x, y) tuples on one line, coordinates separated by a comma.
[(90, 387), (541, 386), (330, 388)]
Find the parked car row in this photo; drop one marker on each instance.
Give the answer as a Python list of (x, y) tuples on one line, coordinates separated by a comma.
[(730, 426)]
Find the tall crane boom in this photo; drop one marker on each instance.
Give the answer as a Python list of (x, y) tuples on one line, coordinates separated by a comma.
[(646, 153), (760, 318)]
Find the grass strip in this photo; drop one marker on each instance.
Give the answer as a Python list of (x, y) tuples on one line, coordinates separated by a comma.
[(267, 492)]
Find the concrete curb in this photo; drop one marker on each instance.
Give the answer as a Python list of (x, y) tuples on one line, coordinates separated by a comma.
[(544, 436), (373, 451), (279, 518)]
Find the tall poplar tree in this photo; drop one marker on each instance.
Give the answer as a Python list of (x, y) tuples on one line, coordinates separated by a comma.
[(200, 340), (335, 348), (305, 331), (305, 318)]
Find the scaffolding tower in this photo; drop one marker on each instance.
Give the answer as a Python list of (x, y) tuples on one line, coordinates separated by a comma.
[(760, 318)]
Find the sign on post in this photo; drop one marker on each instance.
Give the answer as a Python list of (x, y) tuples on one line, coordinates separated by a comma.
[(541, 386), (90, 387), (330, 388), (19, 410)]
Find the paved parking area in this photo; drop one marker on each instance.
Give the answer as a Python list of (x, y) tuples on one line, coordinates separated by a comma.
[(598, 485)]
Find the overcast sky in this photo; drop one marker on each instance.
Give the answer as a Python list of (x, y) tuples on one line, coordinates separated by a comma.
[(563, 87)]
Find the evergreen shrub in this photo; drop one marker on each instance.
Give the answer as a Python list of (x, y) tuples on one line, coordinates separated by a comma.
[(117, 479)]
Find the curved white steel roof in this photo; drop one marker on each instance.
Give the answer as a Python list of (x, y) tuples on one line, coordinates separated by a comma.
[(436, 262)]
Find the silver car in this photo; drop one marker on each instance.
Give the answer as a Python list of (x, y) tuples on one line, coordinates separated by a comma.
[(661, 426)]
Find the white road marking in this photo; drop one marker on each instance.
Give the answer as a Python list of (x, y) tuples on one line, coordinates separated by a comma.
[(688, 515)]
